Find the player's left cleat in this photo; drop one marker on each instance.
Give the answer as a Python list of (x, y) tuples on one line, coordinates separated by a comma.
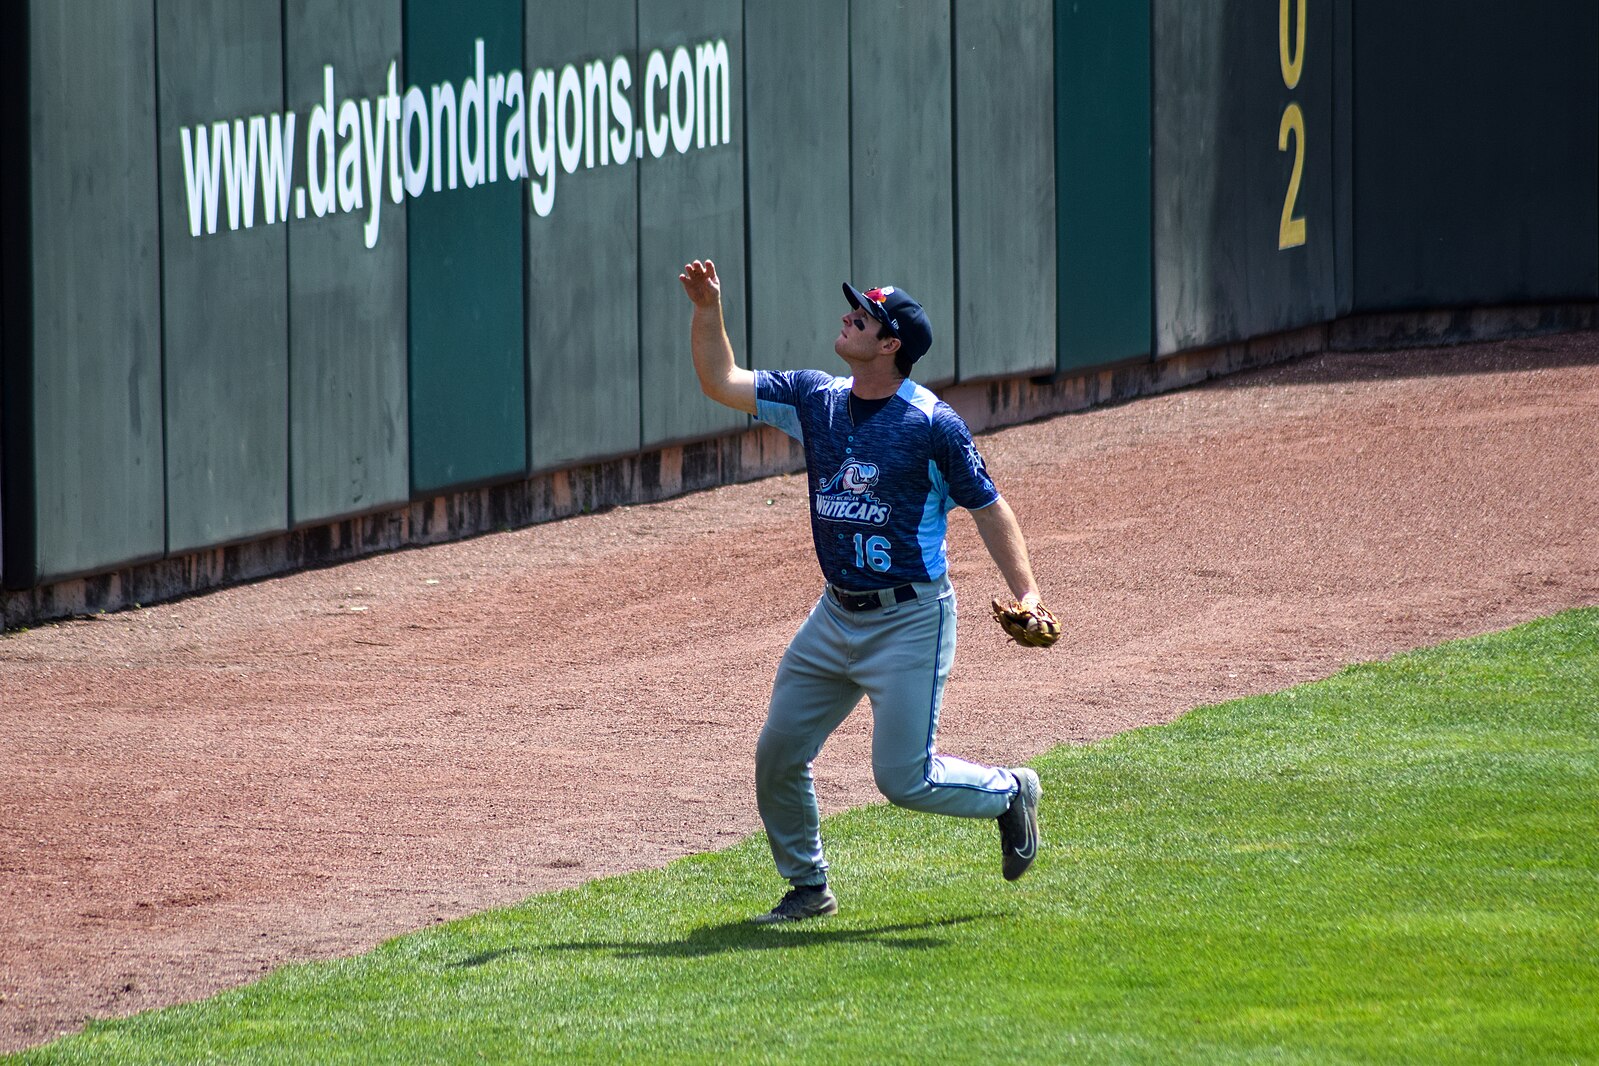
[(1018, 826), (800, 903)]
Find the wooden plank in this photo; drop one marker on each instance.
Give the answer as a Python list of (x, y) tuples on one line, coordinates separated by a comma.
[(902, 162), (691, 203), (799, 174), (1102, 117), (582, 283), (1243, 229), (347, 303), (97, 462), (468, 371), (1005, 181), (224, 279)]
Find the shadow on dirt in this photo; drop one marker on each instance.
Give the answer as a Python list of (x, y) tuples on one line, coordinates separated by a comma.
[(1544, 352)]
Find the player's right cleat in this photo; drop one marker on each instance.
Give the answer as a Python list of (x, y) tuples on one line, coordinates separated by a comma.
[(810, 901), (1018, 826)]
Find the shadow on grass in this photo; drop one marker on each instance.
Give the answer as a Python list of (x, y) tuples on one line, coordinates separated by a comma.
[(746, 936)]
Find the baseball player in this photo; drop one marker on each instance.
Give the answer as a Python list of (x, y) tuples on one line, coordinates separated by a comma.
[(887, 460)]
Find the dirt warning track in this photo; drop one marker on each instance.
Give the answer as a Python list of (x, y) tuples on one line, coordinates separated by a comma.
[(194, 793)]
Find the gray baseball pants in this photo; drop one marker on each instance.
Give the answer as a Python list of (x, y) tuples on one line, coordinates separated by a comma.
[(900, 657)]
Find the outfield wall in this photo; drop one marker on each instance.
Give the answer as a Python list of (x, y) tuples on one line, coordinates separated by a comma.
[(290, 280)]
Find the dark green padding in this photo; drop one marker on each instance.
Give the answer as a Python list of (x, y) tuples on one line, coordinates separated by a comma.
[(348, 441), (902, 162), (16, 300), (582, 282), (224, 291), (94, 453), (1005, 184), (1222, 107), (1476, 153), (467, 377), (799, 181), (690, 205), (1102, 153)]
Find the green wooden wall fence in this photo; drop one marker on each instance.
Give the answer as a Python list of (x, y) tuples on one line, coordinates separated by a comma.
[(457, 265)]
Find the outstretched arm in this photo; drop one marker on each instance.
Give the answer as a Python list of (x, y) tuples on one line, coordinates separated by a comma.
[(722, 379), (1002, 536)]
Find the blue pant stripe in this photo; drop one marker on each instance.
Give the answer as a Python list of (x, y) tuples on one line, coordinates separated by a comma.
[(932, 715)]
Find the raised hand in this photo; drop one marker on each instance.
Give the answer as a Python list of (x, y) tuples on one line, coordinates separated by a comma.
[(701, 283)]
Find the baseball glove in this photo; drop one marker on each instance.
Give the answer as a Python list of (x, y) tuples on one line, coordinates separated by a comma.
[(1033, 626)]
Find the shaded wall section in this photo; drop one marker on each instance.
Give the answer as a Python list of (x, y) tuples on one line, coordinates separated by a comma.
[(16, 284), (1476, 153)]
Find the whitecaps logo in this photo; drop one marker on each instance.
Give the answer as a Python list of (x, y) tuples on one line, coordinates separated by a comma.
[(847, 495)]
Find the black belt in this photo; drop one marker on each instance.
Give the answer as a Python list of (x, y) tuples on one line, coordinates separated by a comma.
[(871, 601)]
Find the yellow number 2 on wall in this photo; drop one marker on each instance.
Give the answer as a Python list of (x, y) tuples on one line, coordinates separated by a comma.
[(1291, 230)]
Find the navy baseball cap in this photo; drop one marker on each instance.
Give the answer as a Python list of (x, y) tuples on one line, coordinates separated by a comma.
[(902, 315)]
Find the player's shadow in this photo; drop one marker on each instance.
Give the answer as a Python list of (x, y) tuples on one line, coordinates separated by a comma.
[(746, 936)]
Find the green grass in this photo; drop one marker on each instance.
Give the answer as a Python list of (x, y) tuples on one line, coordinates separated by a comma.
[(1398, 864)]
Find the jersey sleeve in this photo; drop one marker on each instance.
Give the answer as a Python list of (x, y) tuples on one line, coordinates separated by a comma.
[(960, 462), (779, 395)]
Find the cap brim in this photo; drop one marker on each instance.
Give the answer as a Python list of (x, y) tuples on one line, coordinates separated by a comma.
[(858, 300)]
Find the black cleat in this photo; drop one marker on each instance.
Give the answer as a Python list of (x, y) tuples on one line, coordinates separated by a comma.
[(809, 901), (1018, 826)]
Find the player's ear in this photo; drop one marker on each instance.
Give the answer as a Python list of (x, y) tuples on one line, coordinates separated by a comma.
[(888, 345)]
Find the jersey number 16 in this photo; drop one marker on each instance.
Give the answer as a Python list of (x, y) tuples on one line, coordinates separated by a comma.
[(872, 552)]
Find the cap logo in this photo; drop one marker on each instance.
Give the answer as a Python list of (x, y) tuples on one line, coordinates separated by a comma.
[(879, 296)]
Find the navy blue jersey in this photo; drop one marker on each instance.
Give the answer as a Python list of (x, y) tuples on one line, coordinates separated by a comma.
[(881, 491)]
